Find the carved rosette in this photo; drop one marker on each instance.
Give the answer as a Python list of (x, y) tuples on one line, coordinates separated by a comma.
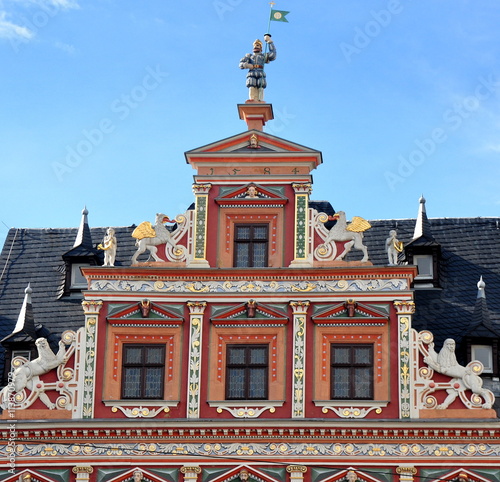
[(200, 224), (404, 309), (196, 310), (299, 359), (91, 309)]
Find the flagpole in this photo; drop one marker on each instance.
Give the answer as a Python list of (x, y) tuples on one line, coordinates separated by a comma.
[(271, 4)]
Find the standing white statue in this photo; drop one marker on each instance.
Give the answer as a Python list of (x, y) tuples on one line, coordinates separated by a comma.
[(393, 247), (109, 246)]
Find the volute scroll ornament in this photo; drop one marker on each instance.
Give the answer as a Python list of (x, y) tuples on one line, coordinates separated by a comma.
[(462, 378), (25, 385)]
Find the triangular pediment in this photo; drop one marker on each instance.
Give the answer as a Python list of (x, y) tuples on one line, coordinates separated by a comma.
[(28, 475), (242, 195), (249, 313), (252, 153), (138, 474), (254, 474), (144, 312), (243, 144), (349, 310)]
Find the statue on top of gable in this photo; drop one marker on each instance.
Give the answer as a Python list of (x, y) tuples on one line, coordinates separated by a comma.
[(254, 62)]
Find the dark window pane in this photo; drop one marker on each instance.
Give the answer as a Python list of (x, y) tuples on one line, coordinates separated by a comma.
[(362, 355), (257, 385), (258, 355), (341, 355), (153, 382), (131, 382), (362, 383), (340, 382), (236, 355), (259, 255), (154, 355), (133, 355), (260, 232), (236, 383), (243, 232), (242, 255)]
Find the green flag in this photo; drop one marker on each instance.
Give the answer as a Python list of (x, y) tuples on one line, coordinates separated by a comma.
[(279, 15)]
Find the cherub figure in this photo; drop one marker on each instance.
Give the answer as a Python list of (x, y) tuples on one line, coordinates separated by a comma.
[(109, 246), (393, 247)]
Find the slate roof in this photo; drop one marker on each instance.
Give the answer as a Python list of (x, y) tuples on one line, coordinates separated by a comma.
[(470, 248)]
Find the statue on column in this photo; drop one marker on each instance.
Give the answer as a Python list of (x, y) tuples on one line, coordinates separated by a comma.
[(254, 62)]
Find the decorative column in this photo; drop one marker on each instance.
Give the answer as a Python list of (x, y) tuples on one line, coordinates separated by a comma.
[(406, 473), (405, 309), (200, 226), (301, 236), (296, 472), (82, 472), (91, 308), (190, 473), (196, 310), (299, 357)]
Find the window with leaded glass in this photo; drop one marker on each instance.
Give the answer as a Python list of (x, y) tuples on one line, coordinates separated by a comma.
[(247, 370), (351, 372), (250, 245), (143, 371)]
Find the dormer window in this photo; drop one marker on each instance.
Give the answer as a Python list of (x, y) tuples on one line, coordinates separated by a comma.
[(78, 281), (484, 354), (425, 264)]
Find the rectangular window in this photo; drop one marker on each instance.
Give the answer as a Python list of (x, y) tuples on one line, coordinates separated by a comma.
[(484, 354), (143, 371), (250, 245), (351, 372), (247, 370), (424, 263)]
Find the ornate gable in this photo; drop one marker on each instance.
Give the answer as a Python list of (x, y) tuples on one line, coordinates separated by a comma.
[(250, 313), (144, 312), (254, 153), (252, 195), (350, 311)]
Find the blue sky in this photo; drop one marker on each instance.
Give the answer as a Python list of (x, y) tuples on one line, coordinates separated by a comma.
[(100, 99)]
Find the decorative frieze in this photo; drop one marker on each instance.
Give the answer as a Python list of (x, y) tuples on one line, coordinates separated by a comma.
[(253, 286), (440, 452)]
